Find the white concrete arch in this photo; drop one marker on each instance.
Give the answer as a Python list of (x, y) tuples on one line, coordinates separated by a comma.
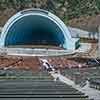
[(69, 42)]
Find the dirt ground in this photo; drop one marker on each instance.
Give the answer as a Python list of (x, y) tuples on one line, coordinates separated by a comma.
[(34, 64), (19, 62), (86, 22), (5, 15)]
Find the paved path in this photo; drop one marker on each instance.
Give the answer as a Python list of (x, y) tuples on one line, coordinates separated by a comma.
[(62, 78), (92, 93), (35, 52)]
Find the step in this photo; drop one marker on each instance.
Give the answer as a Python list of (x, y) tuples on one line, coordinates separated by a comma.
[(42, 96), (44, 99), (39, 90)]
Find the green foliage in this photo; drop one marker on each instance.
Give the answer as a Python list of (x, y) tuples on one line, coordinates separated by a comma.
[(72, 8), (65, 19), (98, 4)]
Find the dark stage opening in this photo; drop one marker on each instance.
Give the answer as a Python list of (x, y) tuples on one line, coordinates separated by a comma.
[(34, 30)]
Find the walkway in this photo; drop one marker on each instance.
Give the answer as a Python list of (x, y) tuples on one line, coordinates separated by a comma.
[(92, 93)]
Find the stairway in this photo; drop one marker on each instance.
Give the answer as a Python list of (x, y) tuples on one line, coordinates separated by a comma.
[(38, 90)]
